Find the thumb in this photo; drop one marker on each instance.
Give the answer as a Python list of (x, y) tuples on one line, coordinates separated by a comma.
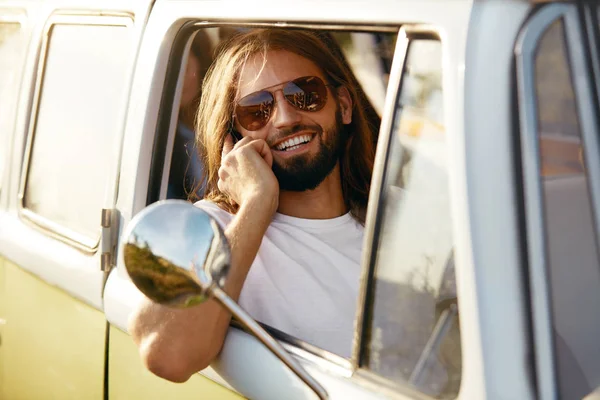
[(227, 145)]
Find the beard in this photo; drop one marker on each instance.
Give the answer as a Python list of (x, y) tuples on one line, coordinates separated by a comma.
[(305, 171)]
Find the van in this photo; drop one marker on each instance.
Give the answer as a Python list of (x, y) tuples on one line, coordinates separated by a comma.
[(481, 271)]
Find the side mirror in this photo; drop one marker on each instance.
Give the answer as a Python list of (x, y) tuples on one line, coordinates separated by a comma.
[(177, 255)]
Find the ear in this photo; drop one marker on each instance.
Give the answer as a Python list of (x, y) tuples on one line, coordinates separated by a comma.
[(345, 102)]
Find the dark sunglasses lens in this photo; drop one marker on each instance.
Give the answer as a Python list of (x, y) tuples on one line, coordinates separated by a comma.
[(253, 111), (307, 94)]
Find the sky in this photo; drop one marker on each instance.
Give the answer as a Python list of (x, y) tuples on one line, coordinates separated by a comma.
[(176, 231)]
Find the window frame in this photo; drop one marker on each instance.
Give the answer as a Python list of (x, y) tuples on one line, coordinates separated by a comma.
[(376, 210), (591, 17), (160, 160), (20, 18), (535, 222), (46, 225)]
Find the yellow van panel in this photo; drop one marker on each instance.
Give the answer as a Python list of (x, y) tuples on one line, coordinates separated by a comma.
[(2, 319), (53, 346), (129, 379)]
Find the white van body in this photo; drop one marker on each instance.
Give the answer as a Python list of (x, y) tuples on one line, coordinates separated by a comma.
[(528, 293)]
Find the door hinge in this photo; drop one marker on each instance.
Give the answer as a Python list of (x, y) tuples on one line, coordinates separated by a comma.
[(110, 235)]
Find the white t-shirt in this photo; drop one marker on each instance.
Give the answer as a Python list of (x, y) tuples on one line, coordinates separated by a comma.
[(305, 278)]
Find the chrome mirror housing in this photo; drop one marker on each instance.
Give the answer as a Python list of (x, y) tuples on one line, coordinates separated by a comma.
[(177, 255), (174, 252)]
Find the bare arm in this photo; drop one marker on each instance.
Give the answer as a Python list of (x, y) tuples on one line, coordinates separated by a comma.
[(176, 343)]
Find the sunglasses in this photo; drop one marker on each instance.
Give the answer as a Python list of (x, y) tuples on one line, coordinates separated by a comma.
[(308, 93)]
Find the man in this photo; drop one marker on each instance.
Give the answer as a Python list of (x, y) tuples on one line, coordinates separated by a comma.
[(288, 155)]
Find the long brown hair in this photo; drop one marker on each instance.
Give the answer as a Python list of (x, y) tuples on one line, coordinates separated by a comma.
[(214, 118), (201, 48)]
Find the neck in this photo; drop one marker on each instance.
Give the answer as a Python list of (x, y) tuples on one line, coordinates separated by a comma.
[(324, 202)]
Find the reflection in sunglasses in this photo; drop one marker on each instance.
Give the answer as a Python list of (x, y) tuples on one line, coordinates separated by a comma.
[(307, 93)]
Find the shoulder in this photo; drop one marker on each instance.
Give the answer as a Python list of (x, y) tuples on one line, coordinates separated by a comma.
[(222, 217)]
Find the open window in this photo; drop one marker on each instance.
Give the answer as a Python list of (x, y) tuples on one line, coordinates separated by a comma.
[(176, 169), (412, 256)]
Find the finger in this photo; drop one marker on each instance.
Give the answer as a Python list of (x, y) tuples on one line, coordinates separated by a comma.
[(263, 149), (266, 153), (221, 186), (222, 182), (227, 145), (242, 141), (223, 175)]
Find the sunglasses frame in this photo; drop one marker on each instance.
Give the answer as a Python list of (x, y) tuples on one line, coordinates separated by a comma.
[(274, 101)]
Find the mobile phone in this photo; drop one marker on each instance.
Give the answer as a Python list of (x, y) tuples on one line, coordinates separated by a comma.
[(235, 135)]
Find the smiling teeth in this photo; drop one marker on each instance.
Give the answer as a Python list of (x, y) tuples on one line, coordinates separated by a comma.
[(293, 143)]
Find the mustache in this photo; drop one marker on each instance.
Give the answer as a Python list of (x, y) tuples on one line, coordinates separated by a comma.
[(283, 133)]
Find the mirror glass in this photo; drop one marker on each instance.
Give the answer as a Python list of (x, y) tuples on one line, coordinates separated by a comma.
[(173, 251)]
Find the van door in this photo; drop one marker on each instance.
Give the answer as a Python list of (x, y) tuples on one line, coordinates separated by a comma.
[(67, 135), (244, 363)]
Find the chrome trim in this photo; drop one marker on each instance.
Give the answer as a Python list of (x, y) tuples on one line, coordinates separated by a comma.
[(106, 217), (299, 25), (373, 206), (45, 225), (375, 209), (109, 239), (590, 130), (541, 310)]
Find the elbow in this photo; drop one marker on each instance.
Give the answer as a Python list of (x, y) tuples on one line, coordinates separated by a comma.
[(165, 366), (172, 350), (174, 363)]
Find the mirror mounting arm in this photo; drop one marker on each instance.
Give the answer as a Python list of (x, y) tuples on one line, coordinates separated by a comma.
[(268, 340)]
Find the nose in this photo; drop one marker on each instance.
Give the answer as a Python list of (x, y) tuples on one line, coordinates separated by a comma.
[(284, 114)]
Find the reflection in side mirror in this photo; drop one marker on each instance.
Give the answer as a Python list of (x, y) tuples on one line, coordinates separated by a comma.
[(168, 251), (177, 255)]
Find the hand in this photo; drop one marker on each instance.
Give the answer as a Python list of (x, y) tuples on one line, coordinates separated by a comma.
[(246, 173)]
